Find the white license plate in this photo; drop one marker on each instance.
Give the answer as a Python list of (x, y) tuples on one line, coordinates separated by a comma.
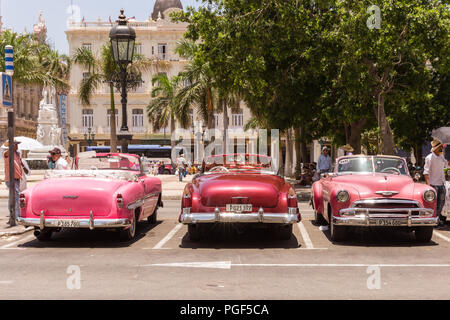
[(68, 223), (239, 207), (388, 222)]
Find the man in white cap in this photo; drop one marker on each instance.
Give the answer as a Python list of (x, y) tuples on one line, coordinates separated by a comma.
[(324, 162), (434, 175)]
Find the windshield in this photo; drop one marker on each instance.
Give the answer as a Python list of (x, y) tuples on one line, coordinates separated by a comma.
[(372, 164), (237, 162), (109, 162)]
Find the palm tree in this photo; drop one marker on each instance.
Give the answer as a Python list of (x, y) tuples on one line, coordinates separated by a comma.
[(101, 70), (163, 108)]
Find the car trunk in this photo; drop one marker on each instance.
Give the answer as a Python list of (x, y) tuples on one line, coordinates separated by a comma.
[(256, 189), (74, 196)]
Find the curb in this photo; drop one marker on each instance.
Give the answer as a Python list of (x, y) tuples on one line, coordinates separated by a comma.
[(15, 233)]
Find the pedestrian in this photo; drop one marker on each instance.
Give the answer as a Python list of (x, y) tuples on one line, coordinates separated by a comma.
[(181, 163), (433, 172), (19, 169), (50, 162), (324, 162), (60, 162)]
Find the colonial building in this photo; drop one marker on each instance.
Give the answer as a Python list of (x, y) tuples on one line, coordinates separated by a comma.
[(157, 38), (26, 98)]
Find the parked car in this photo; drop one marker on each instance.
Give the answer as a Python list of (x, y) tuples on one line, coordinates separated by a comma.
[(107, 190), (373, 191), (239, 190)]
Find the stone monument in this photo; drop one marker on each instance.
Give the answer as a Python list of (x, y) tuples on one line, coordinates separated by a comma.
[(48, 131)]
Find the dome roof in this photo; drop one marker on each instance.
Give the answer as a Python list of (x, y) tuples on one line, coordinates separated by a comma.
[(163, 5)]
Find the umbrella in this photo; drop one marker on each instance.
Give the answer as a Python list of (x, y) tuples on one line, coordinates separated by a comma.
[(26, 143), (442, 134)]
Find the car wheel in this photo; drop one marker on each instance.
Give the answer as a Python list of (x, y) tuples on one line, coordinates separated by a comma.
[(338, 233), (129, 233), (166, 171), (194, 231), (424, 234), (284, 232), (43, 235), (154, 217), (444, 219), (319, 219)]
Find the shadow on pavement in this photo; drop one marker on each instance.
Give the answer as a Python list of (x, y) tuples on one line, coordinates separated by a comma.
[(227, 237), (378, 237), (84, 238)]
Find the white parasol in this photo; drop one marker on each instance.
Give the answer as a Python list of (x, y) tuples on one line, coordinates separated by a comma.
[(442, 134), (26, 143)]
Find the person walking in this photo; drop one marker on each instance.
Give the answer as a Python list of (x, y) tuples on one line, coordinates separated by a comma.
[(324, 162), (435, 177), (60, 162), (181, 163), (19, 169)]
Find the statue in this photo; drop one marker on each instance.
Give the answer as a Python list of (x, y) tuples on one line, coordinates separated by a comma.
[(55, 135), (46, 103), (40, 133)]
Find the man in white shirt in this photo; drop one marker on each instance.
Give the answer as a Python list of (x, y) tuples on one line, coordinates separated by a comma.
[(434, 175), (60, 163), (181, 164), (324, 162)]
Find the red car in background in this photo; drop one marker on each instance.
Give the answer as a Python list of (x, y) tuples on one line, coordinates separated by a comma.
[(239, 189), (373, 191)]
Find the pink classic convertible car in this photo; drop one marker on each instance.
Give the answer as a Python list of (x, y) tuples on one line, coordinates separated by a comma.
[(242, 190), (106, 191), (373, 191)]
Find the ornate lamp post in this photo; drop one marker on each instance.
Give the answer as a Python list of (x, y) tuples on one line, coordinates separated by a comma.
[(89, 136), (123, 39)]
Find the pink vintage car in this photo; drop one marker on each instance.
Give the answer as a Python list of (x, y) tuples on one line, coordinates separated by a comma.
[(241, 190), (105, 191), (373, 191)]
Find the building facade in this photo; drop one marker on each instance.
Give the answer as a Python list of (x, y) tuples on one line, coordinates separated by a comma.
[(156, 39)]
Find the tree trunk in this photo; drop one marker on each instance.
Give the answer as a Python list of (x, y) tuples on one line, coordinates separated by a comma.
[(113, 139), (354, 139), (298, 155), (418, 154), (225, 127), (172, 130), (303, 147), (288, 159), (388, 146)]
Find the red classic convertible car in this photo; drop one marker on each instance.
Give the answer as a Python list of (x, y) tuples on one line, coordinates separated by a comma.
[(107, 190), (373, 191), (239, 189)]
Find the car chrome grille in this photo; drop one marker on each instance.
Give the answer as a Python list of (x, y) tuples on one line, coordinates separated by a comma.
[(387, 204)]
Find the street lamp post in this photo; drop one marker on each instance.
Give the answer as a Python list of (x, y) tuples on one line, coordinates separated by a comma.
[(123, 39), (89, 137)]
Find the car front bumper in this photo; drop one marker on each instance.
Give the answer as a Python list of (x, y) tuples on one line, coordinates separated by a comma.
[(367, 217), (291, 217), (90, 223)]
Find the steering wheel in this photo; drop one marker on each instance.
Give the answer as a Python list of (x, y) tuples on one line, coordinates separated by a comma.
[(219, 168), (391, 169)]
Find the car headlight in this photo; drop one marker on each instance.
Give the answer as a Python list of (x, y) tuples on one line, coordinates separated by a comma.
[(429, 195), (342, 196)]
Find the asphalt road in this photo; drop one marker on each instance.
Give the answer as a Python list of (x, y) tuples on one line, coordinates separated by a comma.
[(162, 263)]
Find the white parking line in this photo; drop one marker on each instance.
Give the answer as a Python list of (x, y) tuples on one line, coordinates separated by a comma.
[(305, 236), (169, 236), (6, 282), (12, 244), (440, 235)]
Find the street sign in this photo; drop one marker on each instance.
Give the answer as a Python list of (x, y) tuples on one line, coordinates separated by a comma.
[(6, 90)]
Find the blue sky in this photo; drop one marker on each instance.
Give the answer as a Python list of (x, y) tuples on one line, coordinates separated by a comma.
[(23, 14)]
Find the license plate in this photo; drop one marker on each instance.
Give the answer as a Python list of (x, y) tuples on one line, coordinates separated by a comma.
[(68, 223), (239, 207), (388, 222)]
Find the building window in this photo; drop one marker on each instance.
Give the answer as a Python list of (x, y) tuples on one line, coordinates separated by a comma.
[(153, 50), (237, 120), (108, 118), (139, 48), (138, 118), (88, 118), (162, 51), (87, 46), (86, 75)]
